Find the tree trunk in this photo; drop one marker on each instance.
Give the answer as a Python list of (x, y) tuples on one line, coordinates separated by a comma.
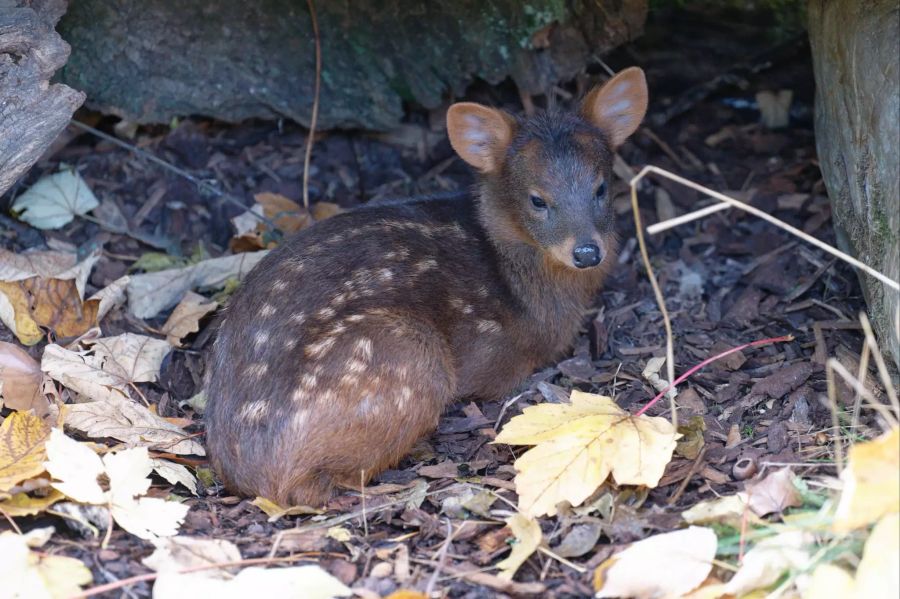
[(151, 60), (32, 112), (854, 47)]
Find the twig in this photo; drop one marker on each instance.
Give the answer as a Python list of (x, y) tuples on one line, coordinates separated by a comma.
[(119, 584), (835, 421), (695, 467), (12, 522), (684, 376), (660, 300), (549, 553), (879, 361), (764, 216), (686, 218), (442, 558), (315, 107), (860, 389), (200, 183), (860, 376), (362, 492)]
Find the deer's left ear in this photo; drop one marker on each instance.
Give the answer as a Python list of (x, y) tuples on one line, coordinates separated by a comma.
[(619, 105)]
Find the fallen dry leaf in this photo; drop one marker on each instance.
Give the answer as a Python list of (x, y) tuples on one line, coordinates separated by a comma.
[(128, 421), (21, 381), (22, 439), (111, 296), (775, 493), (23, 504), (175, 474), (76, 469), (528, 539), (182, 553), (105, 370), (45, 289), (83, 373), (323, 210), (879, 569), (768, 560), (54, 200), (578, 445), (871, 482), (667, 565), (287, 214), (185, 318), (130, 357), (275, 512), (151, 293), (32, 575), (731, 510)]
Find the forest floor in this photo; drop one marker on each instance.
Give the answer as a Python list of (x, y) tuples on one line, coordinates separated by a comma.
[(728, 279)]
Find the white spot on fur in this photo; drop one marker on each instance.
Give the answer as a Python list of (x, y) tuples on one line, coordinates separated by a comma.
[(468, 309), (405, 393), (386, 274), (349, 380), (488, 326), (362, 348), (300, 418), (279, 286), (290, 343), (482, 291), (320, 348), (308, 381), (326, 313), (425, 265), (298, 317), (338, 329), (257, 370), (254, 411), (328, 396), (355, 317), (260, 338), (356, 366), (267, 310)]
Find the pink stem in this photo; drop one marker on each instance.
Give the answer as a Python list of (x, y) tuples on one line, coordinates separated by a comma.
[(687, 374)]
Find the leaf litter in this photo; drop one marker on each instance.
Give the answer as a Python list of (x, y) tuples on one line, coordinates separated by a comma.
[(762, 406)]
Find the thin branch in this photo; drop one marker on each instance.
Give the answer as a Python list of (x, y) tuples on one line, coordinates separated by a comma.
[(759, 214), (660, 300), (315, 107), (200, 183)]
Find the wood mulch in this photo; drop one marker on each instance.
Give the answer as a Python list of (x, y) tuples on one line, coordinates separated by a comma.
[(728, 279)]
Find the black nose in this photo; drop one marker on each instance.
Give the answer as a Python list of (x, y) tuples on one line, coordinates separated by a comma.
[(587, 255)]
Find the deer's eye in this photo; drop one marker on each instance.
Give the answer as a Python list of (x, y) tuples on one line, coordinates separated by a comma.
[(601, 192), (538, 202)]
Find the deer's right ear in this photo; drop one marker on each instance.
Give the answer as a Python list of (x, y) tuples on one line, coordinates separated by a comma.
[(480, 135)]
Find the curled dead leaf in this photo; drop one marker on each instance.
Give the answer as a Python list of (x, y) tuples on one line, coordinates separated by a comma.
[(45, 289), (21, 381), (185, 318)]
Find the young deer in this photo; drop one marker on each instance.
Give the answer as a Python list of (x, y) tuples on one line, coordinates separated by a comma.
[(343, 346)]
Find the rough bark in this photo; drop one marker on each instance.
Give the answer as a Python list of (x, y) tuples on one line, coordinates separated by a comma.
[(854, 46), (151, 60), (32, 112)]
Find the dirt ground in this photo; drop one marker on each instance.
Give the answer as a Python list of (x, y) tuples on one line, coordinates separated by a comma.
[(728, 279)]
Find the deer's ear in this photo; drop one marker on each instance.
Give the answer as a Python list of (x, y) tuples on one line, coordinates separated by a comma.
[(480, 135), (618, 106)]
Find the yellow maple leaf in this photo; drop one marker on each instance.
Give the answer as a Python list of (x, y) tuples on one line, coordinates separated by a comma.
[(528, 539), (26, 573), (578, 445), (871, 482), (22, 454), (23, 504), (878, 574)]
